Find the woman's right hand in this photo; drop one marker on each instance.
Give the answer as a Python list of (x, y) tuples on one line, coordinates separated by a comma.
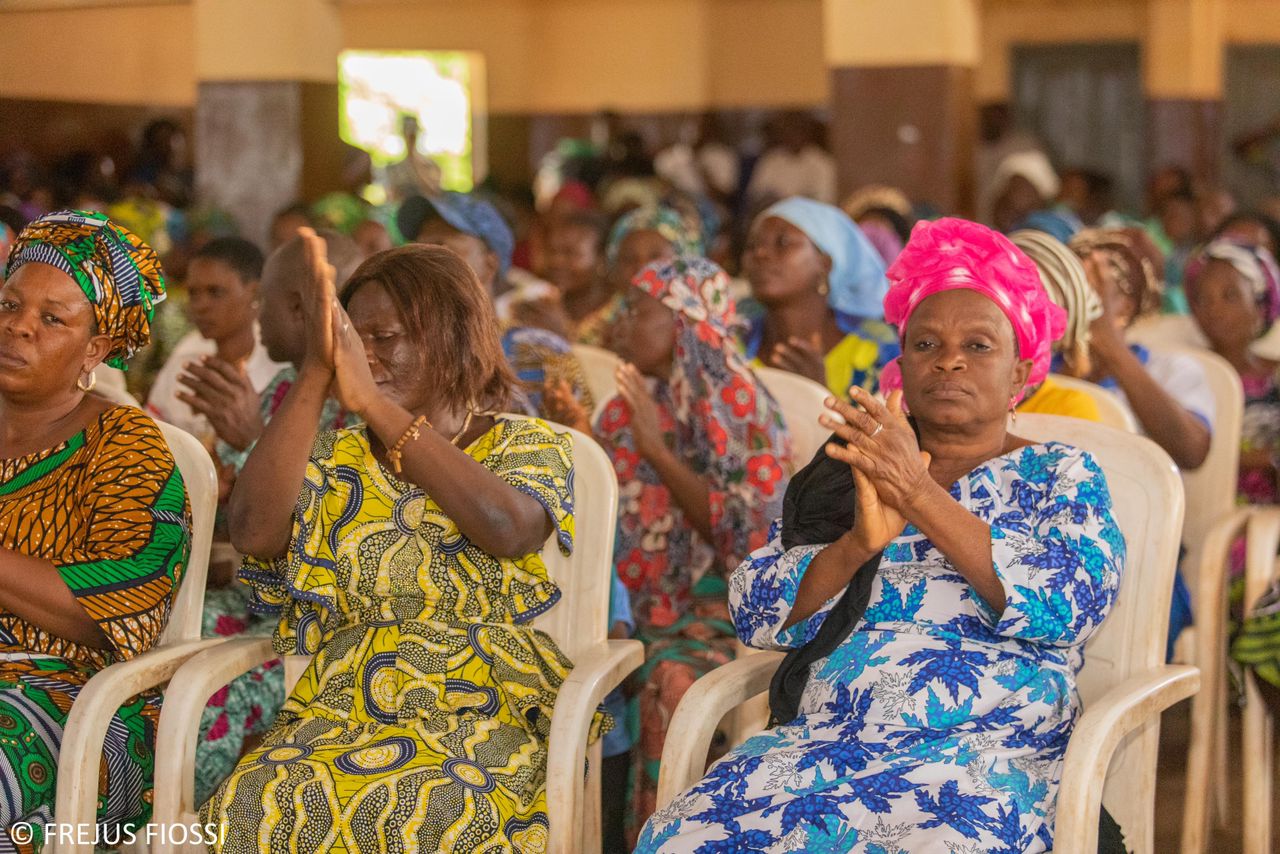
[(560, 405), (319, 294), (353, 381), (875, 524)]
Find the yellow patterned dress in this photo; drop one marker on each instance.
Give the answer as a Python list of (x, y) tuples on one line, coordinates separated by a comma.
[(109, 510), (421, 723)]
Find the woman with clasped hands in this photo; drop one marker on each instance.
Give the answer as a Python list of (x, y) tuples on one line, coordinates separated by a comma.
[(403, 556), (939, 719)]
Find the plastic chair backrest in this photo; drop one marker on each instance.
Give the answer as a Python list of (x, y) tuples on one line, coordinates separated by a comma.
[(801, 400), (579, 621), (1167, 331), (201, 480), (1147, 501), (1113, 411), (598, 366), (1211, 489)]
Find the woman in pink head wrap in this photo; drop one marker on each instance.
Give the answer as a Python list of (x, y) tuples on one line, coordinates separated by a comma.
[(935, 581)]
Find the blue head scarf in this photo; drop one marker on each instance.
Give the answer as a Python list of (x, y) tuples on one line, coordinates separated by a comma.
[(857, 282)]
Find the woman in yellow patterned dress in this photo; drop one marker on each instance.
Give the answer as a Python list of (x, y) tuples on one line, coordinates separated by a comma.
[(94, 527), (410, 570)]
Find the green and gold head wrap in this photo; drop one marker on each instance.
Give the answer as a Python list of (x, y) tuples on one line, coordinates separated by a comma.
[(118, 273)]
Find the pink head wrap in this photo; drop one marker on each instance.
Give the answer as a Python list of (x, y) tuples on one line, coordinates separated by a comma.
[(951, 254)]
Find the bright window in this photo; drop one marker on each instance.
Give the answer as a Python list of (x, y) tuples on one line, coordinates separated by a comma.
[(441, 89)]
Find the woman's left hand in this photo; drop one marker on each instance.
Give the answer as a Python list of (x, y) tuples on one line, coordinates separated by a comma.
[(881, 445), (645, 425), (801, 357), (353, 383)]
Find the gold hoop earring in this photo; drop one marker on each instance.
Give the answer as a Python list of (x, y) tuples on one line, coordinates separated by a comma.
[(824, 288), (87, 387), (1013, 411)]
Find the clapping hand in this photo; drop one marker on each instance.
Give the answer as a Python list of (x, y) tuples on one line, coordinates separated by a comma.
[(222, 393), (801, 357), (645, 426), (882, 451)]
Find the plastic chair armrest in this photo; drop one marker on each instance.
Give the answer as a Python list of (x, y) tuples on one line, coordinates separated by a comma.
[(593, 676), (80, 755), (693, 726), (1098, 733), (179, 730)]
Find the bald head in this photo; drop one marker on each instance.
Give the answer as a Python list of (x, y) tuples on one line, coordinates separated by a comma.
[(281, 290)]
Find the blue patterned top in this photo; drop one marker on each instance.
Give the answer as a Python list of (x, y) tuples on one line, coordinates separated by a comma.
[(938, 724)]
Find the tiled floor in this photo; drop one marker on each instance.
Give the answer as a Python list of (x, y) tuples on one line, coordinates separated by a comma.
[(1175, 730)]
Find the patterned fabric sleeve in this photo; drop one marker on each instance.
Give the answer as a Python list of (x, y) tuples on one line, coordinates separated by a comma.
[(539, 462), (1060, 556), (763, 589), (126, 571)]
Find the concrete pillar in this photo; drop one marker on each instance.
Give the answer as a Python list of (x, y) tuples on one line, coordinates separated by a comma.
[(902, 104), (266, 123)]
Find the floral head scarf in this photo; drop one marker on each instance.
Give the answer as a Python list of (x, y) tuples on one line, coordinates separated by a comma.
[(953, 254), (683, 233), (118, 273), (1254, 264), (722, 423)]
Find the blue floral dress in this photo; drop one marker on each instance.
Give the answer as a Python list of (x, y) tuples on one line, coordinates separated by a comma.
[(938, 725)]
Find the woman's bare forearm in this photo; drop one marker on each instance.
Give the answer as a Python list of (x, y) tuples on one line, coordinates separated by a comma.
[(963, 539), (829, 573), (260, 511), (494, 515), (32, 589)]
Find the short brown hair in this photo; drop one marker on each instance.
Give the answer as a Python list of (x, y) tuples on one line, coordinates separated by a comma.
[(443, 306)]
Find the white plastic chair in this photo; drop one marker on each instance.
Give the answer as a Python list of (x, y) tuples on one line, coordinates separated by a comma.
[(1113, 411), (1167, 331), (578, 624), (801, 400), (91, 714), (599, 366), (1206, 753), (1124, 684)]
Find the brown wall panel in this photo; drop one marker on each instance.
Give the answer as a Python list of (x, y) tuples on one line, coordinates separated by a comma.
[(910, 126)]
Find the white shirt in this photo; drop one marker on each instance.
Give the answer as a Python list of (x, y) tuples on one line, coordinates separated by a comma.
[(780, 174), (714, 163), (163, 402)]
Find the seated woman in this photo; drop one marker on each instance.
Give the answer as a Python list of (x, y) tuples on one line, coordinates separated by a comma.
[(94, 522), (1168, 392), (410, 570), (573, 260), (640, 237), (1066, 283), (700, 450), (222, 298), (821, 285), (1234, 295), (938, 717)]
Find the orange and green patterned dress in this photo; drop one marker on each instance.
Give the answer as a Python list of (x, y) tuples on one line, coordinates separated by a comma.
[(421, 723), (109, 510)]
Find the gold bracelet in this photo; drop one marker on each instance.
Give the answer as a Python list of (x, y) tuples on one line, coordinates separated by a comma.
[(409, 435)]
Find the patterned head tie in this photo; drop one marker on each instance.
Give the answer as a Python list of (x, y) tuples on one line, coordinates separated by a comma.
[(955, 254), (118, 273)]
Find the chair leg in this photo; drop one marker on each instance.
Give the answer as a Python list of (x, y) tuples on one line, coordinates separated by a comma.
[(1257, 744), (591, 841), (1200, 761)]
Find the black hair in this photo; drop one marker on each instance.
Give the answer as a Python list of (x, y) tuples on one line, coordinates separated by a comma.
[(237, 253), (1268, 223)]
